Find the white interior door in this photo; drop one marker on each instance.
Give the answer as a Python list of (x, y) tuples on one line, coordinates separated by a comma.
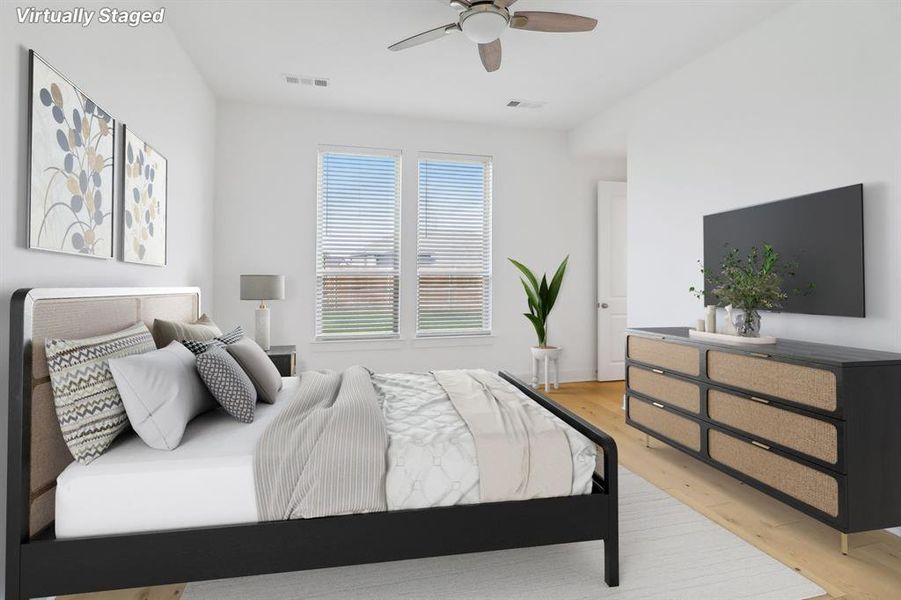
[(611, 304)]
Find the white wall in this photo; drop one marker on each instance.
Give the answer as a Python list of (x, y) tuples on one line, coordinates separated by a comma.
[(544, 208), (807, 101), (141, 76)]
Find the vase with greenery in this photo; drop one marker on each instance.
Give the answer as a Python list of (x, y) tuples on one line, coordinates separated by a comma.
[(540, 296), (750, 283)]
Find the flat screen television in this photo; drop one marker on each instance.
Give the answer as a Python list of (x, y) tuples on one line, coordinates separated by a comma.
[(821, 232)]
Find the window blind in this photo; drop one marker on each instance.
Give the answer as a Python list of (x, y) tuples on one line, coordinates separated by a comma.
[(454, 246), (357, 243)]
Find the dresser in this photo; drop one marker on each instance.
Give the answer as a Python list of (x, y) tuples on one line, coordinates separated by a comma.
[(813, 425)]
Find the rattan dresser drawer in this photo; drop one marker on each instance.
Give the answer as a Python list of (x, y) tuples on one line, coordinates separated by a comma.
[(806, 484), (810, 436), (810, 386), (676, 392), (678, 429), (666, 355)]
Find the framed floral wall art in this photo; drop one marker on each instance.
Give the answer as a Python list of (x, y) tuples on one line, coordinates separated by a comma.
[(144, 206), (71, 143)]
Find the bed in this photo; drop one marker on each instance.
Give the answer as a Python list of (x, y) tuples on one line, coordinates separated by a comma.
[(170, 523)]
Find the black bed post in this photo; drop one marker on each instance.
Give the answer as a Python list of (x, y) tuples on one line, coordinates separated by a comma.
[(17, 472), (609, 482), (611, 541)]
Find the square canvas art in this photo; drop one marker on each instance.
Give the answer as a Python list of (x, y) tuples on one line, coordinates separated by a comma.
[(71, 166), (144, 231)]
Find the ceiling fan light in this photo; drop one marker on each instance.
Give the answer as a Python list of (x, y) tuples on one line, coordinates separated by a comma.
[(483, 26)]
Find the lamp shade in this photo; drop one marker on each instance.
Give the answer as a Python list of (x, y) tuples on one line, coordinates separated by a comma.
[(262, 287)]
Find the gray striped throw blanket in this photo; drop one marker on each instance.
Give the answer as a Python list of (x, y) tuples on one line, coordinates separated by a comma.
[(325, 452)]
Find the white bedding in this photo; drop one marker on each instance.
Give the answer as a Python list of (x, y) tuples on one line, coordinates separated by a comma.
[(431, 452), (207, 480)]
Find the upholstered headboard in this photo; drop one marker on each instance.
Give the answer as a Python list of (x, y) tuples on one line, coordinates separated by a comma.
[(38, 453)]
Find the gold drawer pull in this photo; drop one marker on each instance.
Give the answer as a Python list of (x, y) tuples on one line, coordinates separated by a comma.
[(658, 371), (760, 444), (761, 400), (657, 404)]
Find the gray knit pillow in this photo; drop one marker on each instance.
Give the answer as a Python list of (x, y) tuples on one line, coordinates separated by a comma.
[(228, 383)]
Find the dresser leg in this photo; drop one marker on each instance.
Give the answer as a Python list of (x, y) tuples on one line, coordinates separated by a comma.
[(647, 441), (845, 545)]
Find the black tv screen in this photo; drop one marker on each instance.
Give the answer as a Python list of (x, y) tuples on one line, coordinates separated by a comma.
[(821, 232)]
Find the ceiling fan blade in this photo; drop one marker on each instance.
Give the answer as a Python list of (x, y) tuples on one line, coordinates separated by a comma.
[(535, 20), (425, 36), (503, 3), (491, 55)]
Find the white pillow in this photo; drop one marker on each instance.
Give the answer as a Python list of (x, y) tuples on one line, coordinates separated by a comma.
[(161, 392)]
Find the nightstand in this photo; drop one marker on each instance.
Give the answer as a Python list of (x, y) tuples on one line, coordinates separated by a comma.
[(285, 359)]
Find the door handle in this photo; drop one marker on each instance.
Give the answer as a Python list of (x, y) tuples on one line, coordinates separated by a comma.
[(604, 305)]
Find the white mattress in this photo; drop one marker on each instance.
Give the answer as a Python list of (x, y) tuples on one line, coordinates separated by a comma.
[(207, 480), (431, 452)]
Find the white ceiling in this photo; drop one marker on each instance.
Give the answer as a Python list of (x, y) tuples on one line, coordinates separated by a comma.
[(242, 49)]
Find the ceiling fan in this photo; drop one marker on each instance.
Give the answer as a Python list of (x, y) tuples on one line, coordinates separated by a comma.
[(483, 22)]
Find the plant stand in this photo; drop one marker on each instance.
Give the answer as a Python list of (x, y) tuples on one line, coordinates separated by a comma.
[(549, 355)]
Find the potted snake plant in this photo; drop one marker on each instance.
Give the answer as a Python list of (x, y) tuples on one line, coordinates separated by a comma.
[(541, 296)]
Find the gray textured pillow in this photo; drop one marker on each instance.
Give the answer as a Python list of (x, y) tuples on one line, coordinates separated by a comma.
[(229, 384), (161, 392), (257, 364), (166, 332), (199, 347), (88, 404)]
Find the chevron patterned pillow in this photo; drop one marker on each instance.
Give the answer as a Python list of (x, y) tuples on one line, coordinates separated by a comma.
[(88, 405)]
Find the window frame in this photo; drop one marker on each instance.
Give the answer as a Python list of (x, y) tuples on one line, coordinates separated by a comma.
[(318, 270), (488, 199)]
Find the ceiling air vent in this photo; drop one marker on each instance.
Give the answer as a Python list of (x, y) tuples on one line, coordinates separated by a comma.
[(305, 80), (519, 103)]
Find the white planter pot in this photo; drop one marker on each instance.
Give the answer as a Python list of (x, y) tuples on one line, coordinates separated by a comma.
[(549, 356), (550, 351)]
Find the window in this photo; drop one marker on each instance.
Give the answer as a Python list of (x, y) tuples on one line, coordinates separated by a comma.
[(453, 266), (357, 243)]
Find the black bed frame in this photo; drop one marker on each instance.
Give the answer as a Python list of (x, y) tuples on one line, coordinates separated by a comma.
[(45, 566)]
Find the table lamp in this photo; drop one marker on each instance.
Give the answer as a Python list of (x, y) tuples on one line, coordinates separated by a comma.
[(262, 288)]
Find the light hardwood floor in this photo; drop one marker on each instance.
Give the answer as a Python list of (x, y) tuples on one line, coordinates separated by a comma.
[(872, 571)]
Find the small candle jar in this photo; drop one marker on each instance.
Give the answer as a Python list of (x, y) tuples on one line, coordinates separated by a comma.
[(711, 319)]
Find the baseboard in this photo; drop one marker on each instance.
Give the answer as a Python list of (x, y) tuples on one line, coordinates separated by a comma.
[(572, 376)]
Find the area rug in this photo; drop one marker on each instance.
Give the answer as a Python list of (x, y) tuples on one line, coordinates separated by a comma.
[(667, 551)]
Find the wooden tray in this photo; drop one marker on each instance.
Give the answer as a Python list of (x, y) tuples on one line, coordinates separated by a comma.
[(724, 338)]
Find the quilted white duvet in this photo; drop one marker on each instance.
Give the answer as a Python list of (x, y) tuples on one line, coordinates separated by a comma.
[(431, 452)]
